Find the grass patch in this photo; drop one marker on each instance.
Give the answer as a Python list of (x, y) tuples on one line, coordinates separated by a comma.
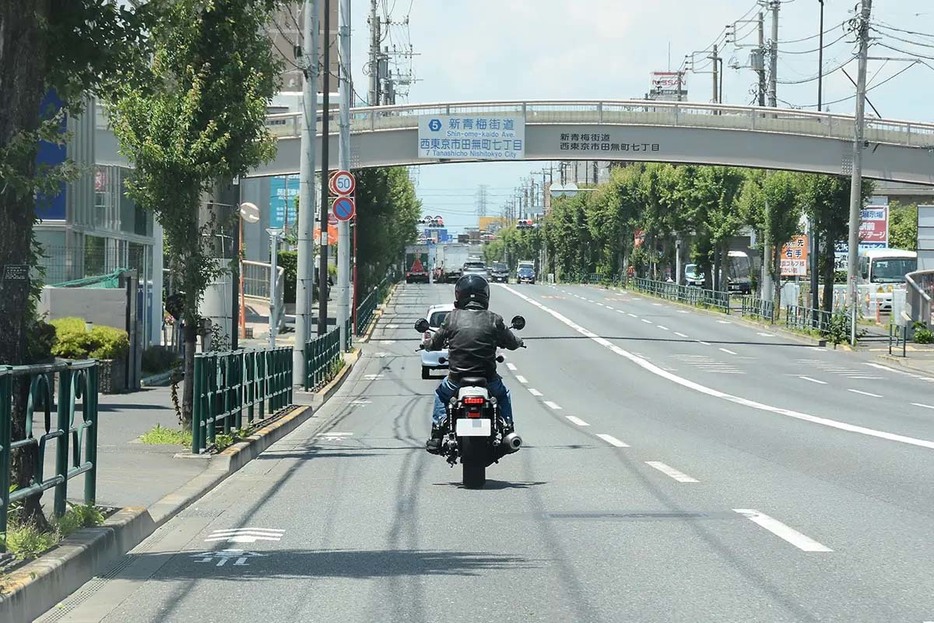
[(160, 435), (26, 541)]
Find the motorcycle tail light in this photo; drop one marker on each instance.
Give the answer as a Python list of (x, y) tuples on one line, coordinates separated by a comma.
[(473, 412), (473, 400)]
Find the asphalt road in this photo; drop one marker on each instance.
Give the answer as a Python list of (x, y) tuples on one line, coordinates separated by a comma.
[(680, 466)]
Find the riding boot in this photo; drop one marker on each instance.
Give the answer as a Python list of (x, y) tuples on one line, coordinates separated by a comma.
[(433, 445)]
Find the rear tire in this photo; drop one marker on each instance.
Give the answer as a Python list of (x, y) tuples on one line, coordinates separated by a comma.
[(426, 372), (473, 462)]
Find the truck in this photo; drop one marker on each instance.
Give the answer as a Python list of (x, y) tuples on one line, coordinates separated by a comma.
[(450, 258), (416, 263)]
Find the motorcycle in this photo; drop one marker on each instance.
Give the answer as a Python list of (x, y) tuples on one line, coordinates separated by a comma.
[(473, 429)]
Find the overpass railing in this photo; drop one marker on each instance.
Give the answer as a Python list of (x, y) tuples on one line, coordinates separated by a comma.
[(920, 293), (633, 112)]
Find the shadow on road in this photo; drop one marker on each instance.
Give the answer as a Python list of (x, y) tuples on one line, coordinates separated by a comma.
[(495, 485)]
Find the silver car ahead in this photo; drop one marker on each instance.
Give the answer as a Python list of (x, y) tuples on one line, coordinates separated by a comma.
[(431, 358)]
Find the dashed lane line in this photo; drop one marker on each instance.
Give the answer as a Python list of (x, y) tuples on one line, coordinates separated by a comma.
[(553, 405), (646, 320), (727, 351), (679, 334), (576, 420), (807, 378), (535, 392), (802, 542), (670, 471), (859, 391), (922, 405), (511, 366), (522, 379), (613, 441), (662, 328)]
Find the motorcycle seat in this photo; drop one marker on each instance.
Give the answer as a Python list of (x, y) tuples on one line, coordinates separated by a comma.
[(473, 381)]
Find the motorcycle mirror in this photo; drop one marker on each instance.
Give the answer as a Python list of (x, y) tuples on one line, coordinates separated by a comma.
[(421, 325), (518, 323)]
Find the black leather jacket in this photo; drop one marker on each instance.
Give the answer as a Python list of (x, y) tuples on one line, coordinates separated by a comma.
[(472, 336)]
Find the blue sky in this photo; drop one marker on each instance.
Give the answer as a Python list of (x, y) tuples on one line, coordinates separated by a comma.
[(474, 50)]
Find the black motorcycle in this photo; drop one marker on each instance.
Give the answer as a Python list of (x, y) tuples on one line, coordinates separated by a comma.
[(473, 429)]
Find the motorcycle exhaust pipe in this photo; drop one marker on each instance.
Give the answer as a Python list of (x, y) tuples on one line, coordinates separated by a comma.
[(511, 443)]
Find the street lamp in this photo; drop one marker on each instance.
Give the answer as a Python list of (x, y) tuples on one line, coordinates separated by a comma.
[(249, 213)]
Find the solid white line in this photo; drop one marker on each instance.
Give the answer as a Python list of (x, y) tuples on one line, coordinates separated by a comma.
[(670, 471), (802, 542), (807, 378), (647, 320), (553, 405), (535, 392), (918, 404), (858, 391), (679, 334), (727, 351), (268, 531), (522, 379), (511, 366), (674, 378), (661, 327), (613, 441), (576, 420)]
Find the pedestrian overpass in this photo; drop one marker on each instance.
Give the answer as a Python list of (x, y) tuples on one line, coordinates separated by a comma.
[(638, 131)]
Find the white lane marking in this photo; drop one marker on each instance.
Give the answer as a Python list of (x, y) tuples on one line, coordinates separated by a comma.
[(670, 471), (704, 343), (535, 392), (619, 311), (724, 322), (522, 379), (553, 405), (924, 406), (683, 311), (613, 441), (576, 420), (807, 378), (888, 369), (610, 308), (864, 378), (387, 342), (661, 327), (657, 304), (703, 389), (679, 334), (767, 334), (859, 391), (633, 315), (372, 377), (511, 366), (802, 542), (647, 320), (727, 351)]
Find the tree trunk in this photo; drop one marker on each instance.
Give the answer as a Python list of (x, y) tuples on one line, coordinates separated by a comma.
[(188, 391), (776, 270), (22, 73), (827, 271)]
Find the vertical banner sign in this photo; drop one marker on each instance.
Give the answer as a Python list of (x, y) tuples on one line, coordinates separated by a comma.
[(873, 230), (794, 259), (283, 193), (487, 137)]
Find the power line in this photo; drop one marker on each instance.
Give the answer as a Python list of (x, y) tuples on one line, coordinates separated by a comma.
[(872, 88), (826, 32), (824, 73), (826, 45), (909, 41)]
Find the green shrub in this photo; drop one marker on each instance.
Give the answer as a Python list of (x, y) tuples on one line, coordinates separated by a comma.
[(108, 343), (158, 359), (923, 335), (288, 260), (79, 516), (69, 325)]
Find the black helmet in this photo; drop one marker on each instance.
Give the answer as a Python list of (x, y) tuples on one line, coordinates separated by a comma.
[(471, 288)]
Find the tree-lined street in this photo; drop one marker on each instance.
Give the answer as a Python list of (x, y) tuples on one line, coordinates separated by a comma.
[(680, 466)]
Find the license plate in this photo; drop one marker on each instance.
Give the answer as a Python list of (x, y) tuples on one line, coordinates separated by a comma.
[(473, 427)]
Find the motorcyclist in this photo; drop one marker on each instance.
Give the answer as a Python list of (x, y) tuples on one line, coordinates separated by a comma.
[(472, 334)]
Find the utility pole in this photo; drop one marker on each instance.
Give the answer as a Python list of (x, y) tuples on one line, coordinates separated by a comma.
[(773, 59), (343, 227), (761, 59), (325, 168), (374, 66), (716, 59), (815, 238), (305, 286), (856, 195)]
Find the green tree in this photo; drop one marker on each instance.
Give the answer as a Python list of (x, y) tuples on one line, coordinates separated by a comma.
[(903, 226), (192, 120), (69, 48)]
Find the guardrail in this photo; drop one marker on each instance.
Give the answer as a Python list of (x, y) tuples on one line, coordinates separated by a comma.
[(684, 294), (758, 308), (808, 318), (258, 382), (367, 308), (919, 295), (633, 112), (33, 388), (322, 358)]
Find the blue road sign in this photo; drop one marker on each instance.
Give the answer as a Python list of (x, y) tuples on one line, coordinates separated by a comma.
[(343, 208), (434, 125)]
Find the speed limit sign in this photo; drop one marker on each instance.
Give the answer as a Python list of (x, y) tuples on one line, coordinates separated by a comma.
[(342, 183)]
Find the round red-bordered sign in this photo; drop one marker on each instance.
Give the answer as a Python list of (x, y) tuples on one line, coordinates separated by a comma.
[(342, 183), (343, 208)]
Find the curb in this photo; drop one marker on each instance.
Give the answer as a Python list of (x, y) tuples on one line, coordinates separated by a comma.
[(156, 380), (905, 363), (33, 589)]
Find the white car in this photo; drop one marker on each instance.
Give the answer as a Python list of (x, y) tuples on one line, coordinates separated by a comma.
[(431, 358)]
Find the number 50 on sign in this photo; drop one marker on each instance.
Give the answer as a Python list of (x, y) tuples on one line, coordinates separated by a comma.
[(342, 183)]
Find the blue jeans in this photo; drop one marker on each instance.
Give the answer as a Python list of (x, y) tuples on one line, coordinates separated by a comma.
[(447, 389)]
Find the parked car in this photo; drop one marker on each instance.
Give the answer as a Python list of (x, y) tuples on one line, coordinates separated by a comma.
[(525, 274), (499, 273), (431, 358)]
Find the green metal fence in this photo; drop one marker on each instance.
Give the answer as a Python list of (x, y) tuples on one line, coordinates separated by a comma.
[(367, 307), (754, 306), (805, 318), (33, 388), (684, 294), (236, 388), (322, 357)]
